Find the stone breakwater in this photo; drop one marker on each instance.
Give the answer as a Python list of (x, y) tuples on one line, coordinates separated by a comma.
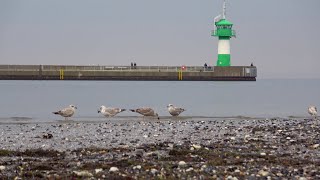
[(236, 148)]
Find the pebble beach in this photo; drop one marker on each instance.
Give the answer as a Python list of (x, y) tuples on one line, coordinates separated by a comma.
[(169, 148)]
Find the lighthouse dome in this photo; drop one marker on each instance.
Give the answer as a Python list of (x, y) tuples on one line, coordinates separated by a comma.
[(224, 22)]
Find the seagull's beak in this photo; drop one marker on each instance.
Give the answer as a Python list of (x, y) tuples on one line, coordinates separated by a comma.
[(75, 107), (99, 111)]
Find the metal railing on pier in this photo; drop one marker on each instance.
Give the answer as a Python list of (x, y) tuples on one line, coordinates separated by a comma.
[(105, 68)]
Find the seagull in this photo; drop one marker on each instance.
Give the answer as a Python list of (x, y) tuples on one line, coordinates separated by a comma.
[(66, 112), (174, 111), (145, 111), (312, 110), (110, 111)]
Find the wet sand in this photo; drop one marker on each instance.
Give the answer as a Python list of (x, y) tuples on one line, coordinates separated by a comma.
[(169, 148)]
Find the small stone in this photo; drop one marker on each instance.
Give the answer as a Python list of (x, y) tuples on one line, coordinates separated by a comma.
[(279, 174), (302, 178), (214, 171), (263, 154), (315, 146), (98, 170), (113, 169), (83, 173), (151, 154), (182, 164), (196, 146), (145, 136), (233, 138), (153, 171), (263, 173), (288, 138), (190, 169), (170, 146), (47, 136), (203, 167), (137, 167), (2, 168), (232, 178)]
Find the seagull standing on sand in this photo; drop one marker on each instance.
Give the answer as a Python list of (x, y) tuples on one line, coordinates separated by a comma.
[(66, 112), (174, 111), (109, 111), (145, 111), (312, 110)]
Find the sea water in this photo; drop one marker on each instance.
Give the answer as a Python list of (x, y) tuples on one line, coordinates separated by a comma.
[(263, 98)]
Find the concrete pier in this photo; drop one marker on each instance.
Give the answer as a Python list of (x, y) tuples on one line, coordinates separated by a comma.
[(137, 73)]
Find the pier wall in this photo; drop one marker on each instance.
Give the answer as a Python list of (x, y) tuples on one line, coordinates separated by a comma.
[(160, 73)]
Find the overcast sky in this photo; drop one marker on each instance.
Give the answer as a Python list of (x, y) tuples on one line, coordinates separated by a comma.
[(281, 37)]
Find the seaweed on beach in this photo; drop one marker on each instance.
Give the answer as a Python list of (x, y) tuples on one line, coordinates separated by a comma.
[(40, 153), (4, 152)]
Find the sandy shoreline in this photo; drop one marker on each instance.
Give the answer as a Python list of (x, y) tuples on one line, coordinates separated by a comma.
[(210, 148)]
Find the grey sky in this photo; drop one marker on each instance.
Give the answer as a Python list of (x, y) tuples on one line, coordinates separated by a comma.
[(281, 37)]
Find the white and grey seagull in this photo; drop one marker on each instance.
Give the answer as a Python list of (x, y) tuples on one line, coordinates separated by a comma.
[(174, 111), (66, 112), (146, 111), (109, 111), (312, 110)]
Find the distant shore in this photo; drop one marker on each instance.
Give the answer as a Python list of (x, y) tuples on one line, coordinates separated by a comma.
[(178, 148)]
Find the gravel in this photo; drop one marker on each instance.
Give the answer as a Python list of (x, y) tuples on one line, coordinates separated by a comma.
[(177, 148)]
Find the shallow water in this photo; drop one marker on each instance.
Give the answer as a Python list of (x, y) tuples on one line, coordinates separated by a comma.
[(35, 100)]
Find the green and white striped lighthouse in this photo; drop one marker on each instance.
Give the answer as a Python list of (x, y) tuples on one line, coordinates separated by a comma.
[(223, 30)]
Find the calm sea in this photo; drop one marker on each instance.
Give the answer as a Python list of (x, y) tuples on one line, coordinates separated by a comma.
[(263, 98)]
